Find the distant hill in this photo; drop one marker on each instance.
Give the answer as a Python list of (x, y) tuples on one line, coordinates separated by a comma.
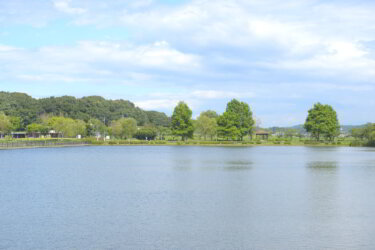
[(30, 109), (300, 129)]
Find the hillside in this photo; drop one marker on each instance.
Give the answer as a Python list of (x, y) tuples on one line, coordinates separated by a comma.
[(30, 109)]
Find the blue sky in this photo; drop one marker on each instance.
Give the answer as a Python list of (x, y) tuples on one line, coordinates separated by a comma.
[(279, 56)]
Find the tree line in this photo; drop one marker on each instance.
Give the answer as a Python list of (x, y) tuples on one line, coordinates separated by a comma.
[(93, 116), (29, 110)]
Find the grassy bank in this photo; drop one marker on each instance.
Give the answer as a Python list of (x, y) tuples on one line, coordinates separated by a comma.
[(30, 143)]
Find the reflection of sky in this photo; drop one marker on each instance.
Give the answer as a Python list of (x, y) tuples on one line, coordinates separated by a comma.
[(280, 57)]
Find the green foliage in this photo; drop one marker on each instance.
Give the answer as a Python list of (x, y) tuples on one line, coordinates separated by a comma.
[(35, 127), (236, 121), (181, 121), (210, 114), (322, 121), (95, 127), (29, 109), (67, 126), (124, 128), (5, 124), (206, 126), (163, 132), (146, 133)]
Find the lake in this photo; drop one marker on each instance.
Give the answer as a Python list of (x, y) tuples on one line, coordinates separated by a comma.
[(186, 197)]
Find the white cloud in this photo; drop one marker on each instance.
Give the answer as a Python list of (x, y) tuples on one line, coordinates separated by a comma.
[(5, 48), (65, 6)]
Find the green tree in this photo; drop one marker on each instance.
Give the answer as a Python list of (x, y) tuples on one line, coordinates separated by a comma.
[(146, 133), (124, 128), (35, 127), (322, 121), (163, 131), (182, 124), (210, 114), (67, 126), (206, 126), (95, 127), (5, 124), (237, 120)]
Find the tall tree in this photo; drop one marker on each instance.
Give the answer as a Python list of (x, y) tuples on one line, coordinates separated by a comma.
[(124, 128), (5, 124), (322, 121), (181, 121), (206, 126), (237, 120)]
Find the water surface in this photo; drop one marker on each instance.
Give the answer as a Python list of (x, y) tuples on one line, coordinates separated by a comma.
[(171, 197)]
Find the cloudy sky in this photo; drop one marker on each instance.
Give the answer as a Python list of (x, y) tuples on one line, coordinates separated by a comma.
[(279, 56)]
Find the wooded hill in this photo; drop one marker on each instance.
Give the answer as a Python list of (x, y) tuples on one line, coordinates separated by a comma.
[(31, 109)]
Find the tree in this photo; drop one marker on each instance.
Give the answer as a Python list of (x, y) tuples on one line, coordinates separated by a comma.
[(124, 128), (35, 127), (95, 127), (181, 121), (206, 126), (67, 126), (5, 124), (163, 131), (237, 120), (146, 133), (322, 121), (210, 114)]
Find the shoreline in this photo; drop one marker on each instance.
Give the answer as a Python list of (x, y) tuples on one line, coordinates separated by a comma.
[(176, 144)]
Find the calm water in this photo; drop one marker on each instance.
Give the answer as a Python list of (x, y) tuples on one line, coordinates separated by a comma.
[(187, 198)]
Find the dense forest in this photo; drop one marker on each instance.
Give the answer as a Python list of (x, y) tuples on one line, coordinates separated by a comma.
[(86, 108)]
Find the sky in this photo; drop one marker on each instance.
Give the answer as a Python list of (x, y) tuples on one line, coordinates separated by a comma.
[(280, 57)]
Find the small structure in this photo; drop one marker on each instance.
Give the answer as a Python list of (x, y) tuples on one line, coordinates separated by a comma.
[(54, 134), (2, 135), (262, 134), (18, 135), (34, 135)]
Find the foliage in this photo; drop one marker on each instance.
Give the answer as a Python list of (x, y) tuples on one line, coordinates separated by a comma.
[(124, 128), (236, 121), (366, 133), (146, 133), (163, 132), (181, 121), (206, 126), (95, 127), (35, 127), (210, 114), (30, 109), (322, 121), (5, 124), (67, 126)]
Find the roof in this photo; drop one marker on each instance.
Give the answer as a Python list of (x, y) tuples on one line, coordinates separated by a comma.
[(262, 132)]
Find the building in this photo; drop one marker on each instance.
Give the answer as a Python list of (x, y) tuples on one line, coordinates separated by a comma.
[(262, 134), (18, 135)]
